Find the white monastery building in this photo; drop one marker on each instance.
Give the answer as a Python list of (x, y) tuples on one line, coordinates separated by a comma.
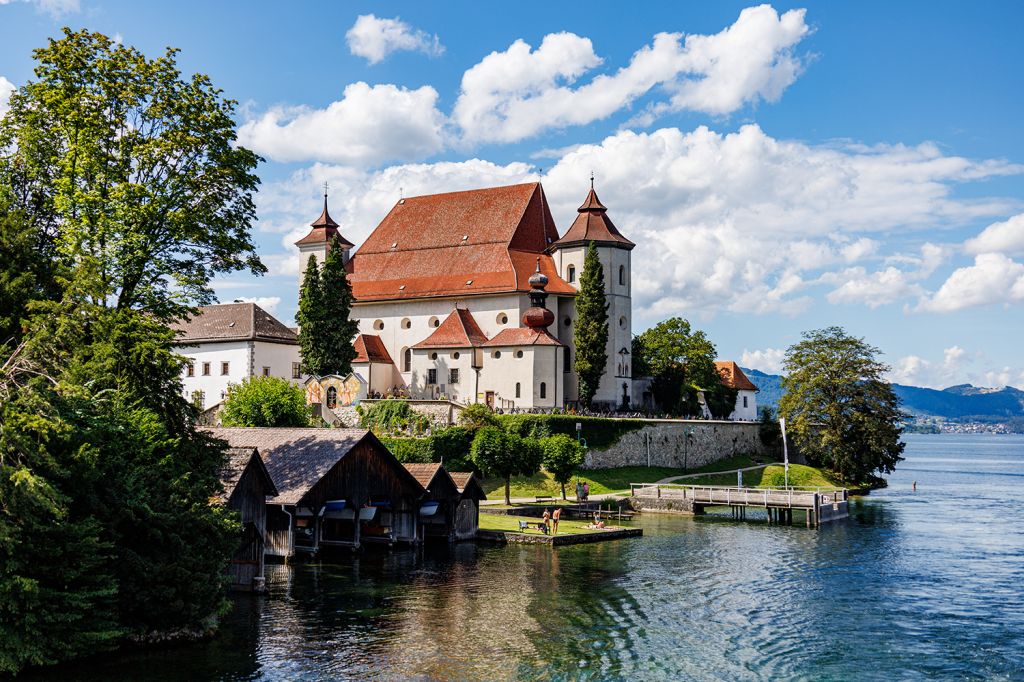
[(227, 343), (471, 296), (746, 391)]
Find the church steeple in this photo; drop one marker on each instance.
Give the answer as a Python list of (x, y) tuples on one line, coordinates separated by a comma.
[(593, 225), (322, 236)]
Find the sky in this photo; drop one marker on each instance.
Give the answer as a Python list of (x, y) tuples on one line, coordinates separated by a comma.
[(780, 167)]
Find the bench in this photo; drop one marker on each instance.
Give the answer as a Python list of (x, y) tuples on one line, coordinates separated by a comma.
[(544, 498)]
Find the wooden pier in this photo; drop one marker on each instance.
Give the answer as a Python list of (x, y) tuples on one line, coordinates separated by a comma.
[(819, 505)]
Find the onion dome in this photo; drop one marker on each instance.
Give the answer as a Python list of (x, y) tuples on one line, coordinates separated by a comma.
[(537, 316)]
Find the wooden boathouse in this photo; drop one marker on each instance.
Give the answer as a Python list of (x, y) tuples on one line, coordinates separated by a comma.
[(439, 503), (467, 514), (336, 488), (246, 486)]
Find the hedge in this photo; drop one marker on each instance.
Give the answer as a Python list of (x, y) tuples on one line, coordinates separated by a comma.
[(450, 446), (599, 432)]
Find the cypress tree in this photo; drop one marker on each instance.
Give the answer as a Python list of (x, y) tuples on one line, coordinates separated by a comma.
[(311, 320), (591, 334), (339, 331)]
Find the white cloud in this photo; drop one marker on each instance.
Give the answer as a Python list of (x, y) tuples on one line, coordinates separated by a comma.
[(1006, 237), (768, 360), (268, 303), (749, 223), (956, 366), (517, 93), (374, 39), (993, 278), (367, 126), (55, 8), (6, 88), (874, 289)]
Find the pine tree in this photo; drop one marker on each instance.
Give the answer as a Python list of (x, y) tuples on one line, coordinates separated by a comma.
[(311, 320), (591, 334), (339, 330)]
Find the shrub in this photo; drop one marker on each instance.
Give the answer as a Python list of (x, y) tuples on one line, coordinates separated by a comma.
[(505, 455), (410, 450), (599, 432), (392, 417), (265, 401), (477, 416), (451, 447)]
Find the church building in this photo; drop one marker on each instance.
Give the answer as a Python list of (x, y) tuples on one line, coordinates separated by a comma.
[(470, 296)]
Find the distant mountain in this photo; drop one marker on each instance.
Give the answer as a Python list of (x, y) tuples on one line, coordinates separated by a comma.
[(963, 401)]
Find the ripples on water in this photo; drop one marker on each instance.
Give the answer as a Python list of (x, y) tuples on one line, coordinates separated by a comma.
[(918, 585)]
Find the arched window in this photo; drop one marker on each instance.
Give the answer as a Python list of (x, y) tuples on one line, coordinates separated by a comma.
[(543, 390), (519, 390), (407, 360), (332, 397), (570, 274), (622, 275)]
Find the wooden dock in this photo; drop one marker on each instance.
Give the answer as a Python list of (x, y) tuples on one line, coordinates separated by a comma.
[(819, 505)]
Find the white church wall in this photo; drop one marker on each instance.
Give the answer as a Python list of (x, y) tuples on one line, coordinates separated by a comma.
[(746, 406)]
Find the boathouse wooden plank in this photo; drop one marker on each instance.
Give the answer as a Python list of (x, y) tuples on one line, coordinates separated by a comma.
[(467, 513), (439, 503), (246, 486)]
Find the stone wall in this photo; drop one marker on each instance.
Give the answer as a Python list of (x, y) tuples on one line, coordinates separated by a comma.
[(440, 412), (679, 443)]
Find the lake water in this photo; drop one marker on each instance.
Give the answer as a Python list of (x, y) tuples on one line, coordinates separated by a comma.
[(915, 585)]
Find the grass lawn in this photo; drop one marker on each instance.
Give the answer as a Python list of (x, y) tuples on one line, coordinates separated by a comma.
[(511, 523), (601, 480), (773, 476)]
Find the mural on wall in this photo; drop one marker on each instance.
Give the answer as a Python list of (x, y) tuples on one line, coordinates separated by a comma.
[(336, 391)]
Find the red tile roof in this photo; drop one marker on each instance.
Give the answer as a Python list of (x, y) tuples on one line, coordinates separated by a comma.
[(733, 376), (370, 348), (458, 244), (233, 322), (424, 473), (593, 225), (522, 336), (467, 482), (459, 330)]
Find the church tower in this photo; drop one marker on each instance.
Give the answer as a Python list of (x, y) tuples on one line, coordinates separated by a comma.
[(318, 241), (592, 224)]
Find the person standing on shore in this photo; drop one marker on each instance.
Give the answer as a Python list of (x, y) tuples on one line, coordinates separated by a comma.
[(554, 520), (546, 517), (579, 490)]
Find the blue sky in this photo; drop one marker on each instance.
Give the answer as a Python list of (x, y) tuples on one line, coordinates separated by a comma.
[(781, 167)]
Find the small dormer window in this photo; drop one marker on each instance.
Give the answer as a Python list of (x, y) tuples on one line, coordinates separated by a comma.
[(468, 282)]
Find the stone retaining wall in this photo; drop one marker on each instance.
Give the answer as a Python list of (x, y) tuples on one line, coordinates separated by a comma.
[(440, 412), (658, 504), (679, 443)]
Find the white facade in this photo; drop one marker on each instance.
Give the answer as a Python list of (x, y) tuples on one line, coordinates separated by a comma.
[(215, 365), (746, 406)]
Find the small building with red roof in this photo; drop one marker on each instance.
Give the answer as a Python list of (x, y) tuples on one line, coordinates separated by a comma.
[(746, 392), (471, 296)]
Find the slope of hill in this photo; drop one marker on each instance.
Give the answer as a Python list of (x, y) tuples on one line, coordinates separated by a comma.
[(963, 401)]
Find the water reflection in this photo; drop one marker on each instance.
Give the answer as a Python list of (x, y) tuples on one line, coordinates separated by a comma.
[(916, 585)]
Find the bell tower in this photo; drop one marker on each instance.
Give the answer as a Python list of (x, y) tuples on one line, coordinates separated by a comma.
[(592, 225), (318, 241)]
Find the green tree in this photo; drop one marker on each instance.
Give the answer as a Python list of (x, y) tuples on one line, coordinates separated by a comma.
[(505, 455), (339, 330), (682, 362), (26, 271), (477, 416), (563, 455), (591, 332), (310, 318), (838, 408), (265, 401), (768, 429), (122, 165)]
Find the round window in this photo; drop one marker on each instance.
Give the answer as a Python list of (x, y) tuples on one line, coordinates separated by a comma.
[(434, 322), (406, 323), (519, 353), (502, 318), (433, 356), (568, 322), (622, 322), (455, 355), (496, 354), (378, 325)]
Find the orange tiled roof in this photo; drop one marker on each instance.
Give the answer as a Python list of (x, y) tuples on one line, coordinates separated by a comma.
[(370, 348), (733, 376), (423, 473), (523, 336), (459, 244), (593, 225), (459, 330)]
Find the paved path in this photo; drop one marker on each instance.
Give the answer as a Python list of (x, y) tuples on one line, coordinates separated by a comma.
[(673, 479)]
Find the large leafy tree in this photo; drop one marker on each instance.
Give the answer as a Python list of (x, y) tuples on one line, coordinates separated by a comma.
[(682, 362), (339, 328), (26, 272), (119, 161), (591, 333), (838, 408), (265, 401), (563, 455), (505, 455)]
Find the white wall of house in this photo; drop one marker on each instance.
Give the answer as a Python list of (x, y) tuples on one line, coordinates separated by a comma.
[(746, 406), (243, 358)]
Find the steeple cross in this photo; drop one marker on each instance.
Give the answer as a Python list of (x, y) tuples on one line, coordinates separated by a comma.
[(326, 187)]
